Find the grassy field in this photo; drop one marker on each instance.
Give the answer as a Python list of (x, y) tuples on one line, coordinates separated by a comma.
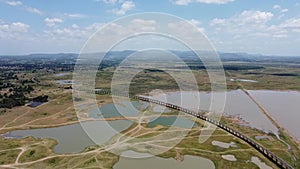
[(269, 77)]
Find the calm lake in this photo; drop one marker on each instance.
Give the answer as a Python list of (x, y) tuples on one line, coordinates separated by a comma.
[(72, 138), (284, 106), (190, 162)]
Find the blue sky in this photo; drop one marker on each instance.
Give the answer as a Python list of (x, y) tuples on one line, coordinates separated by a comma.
[(256, 26)]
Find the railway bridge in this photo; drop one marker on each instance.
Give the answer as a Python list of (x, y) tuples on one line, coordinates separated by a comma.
[(264, 151)]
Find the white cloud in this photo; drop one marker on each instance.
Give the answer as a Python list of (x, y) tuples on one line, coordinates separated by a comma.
[(75, 26), (248, 23), (284, 10), (34, 10), (27, 8), (76, 15), (14, 27), (279, 8), (185, 28), (186, 2), (217, 21), (94, 27), (14, 3), (215, 1), (19, 27), (244, 22), (254, 31), (257, 17), (195, 22), (143, 25), (143, 22), (73, 31), (281, 11), (108, 1), (182, 2), (13, 30), (53, 21), (126, 6), (293, 23), (276, 7), (113, 31)]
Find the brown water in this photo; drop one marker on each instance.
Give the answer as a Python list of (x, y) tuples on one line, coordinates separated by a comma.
[(283, 106), (237, 103)]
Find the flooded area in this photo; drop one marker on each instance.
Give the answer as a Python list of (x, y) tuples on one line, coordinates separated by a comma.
[(34, 104), (229, 157), (237, 104), (262, 137), (190, 162), (243, 80), (223, 145), (64, 82), (61, 74), (283, 106), (259, 163)]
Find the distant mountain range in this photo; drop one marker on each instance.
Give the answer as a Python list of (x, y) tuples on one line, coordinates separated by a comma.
[(244, 57)]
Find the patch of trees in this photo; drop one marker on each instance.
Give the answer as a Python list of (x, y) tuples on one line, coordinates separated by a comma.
[(26, 81), (225, 67), (8, 76), (5, 85), (242, 67), (42, 98), (284, 74), (23, 89), (153, 70), (274, 74), (12, 100), (16, 97), (34, 67)]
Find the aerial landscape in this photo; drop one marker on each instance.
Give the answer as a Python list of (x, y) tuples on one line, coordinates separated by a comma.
[(119, 84)]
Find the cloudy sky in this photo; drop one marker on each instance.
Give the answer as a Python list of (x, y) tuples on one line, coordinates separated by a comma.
[(256, 26)]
